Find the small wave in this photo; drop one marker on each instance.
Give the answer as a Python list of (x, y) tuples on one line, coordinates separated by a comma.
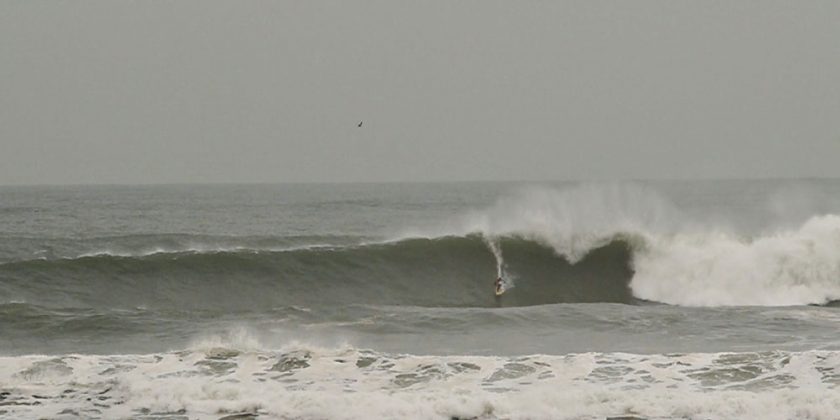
[(198, 250), (140, 245)]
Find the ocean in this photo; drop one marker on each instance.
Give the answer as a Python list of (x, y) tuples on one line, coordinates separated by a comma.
[(645, 300)]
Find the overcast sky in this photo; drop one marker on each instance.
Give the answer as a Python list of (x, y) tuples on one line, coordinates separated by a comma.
[(252, 91)]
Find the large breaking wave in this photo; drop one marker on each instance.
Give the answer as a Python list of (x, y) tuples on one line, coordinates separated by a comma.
[(614, 244), (674, 259), (450, 271)]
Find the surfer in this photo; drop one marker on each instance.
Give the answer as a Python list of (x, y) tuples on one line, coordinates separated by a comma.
[(498, 285)]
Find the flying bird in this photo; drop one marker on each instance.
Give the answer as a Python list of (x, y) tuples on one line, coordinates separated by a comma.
[(360, 123)]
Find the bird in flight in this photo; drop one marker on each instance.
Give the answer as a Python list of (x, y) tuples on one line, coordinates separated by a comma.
[(360, 123)]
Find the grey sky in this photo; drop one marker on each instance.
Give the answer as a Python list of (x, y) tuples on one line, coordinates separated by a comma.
[(246, 91)]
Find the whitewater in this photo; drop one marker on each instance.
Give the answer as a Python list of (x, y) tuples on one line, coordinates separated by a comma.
[(654, 300)]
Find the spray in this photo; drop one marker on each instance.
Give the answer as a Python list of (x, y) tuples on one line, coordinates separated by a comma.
[(501, 269)]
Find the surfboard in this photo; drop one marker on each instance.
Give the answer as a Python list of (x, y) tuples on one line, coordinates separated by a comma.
[(501, 290)]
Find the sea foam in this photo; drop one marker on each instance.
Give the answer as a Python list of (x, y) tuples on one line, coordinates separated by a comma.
[(345, 383)]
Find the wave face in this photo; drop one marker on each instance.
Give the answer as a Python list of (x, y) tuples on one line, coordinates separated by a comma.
[(449, 271)]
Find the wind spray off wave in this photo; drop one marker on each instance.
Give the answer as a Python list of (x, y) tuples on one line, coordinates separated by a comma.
[(675, 260)]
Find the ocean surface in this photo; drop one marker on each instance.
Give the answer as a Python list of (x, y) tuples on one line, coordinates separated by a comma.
[(650, 300)]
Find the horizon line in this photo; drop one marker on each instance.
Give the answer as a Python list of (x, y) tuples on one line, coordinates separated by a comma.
[(419, 182)]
